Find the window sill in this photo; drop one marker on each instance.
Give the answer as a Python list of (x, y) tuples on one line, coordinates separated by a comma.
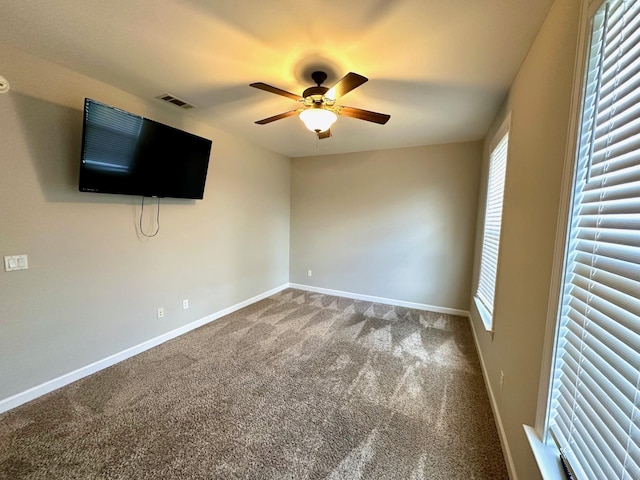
[(547, 456), (486, 317)]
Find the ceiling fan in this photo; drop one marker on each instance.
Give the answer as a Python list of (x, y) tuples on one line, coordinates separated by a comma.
[(319, 109)]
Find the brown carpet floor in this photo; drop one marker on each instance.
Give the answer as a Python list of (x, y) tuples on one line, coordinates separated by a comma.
[(296, 386)]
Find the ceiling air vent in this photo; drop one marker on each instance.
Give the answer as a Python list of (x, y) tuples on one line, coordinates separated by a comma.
[(167, 97)]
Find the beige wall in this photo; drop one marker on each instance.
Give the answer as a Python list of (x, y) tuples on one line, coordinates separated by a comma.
[(539, 102), (94, 284), (398, 224)]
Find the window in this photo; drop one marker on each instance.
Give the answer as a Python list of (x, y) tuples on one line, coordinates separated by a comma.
[(594, 405), (485, 294)]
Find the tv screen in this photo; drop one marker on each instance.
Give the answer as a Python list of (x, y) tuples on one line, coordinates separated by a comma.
[(132, 155)]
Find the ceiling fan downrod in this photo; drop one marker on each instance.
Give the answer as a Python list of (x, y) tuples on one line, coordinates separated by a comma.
[(318, 77)]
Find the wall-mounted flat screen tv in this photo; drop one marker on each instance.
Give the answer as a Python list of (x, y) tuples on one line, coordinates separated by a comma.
[(127, 154)]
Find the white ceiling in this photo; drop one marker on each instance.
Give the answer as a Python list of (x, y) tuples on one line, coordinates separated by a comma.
[(440, 68)]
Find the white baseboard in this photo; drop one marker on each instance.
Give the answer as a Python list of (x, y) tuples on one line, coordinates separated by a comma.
[(51, 385), (386, 301), (494, 406)]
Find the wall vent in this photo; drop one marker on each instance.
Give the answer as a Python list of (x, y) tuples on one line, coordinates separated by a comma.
[(167, 97)]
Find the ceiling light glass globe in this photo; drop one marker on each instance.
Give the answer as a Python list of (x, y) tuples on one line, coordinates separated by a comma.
[(318, 119)]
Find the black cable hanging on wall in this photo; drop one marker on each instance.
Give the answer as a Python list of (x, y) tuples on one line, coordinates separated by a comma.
[(157, 219)]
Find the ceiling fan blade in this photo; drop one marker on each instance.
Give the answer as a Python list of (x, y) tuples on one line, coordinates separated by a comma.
[(277, 91), (374, 117), (264, 121), (345, 85), (325, 134)]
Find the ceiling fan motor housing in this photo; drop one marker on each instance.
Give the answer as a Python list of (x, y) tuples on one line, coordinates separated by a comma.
[(315, 92)]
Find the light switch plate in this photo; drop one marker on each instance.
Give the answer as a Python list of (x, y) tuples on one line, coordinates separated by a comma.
[(16, 262)]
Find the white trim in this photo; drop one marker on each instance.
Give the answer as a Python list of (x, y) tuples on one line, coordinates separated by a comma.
[(485, 316), (386, 301), (506, 451), (21, 398), (562, 224), (51, 385), (547, 456)]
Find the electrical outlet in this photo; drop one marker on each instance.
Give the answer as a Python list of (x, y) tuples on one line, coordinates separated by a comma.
[(160, 312), (185, 303), (309, 273), (501, 379)]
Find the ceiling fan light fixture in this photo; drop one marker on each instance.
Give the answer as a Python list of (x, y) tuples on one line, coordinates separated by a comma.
[(318, 119), (319, 110)]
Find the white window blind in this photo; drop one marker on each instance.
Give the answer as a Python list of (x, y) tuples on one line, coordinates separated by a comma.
[(492, 223), (594, 411)]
